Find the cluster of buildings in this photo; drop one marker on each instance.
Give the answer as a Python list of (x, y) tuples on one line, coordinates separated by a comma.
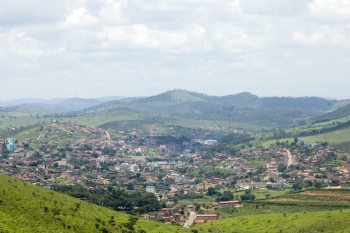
[(94, 158), (8, 145)]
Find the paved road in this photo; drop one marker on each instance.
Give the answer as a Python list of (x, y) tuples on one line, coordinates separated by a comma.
[(189, 222), (109, 137), (290, 158)]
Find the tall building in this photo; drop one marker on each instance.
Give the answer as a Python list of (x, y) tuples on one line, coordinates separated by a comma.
[(11, 144), (134, 168), (2, 145)]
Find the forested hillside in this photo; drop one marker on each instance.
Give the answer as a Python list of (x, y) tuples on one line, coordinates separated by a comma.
[(243, 107), (338, 113)]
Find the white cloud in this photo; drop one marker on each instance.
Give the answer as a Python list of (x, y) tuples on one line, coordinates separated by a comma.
[(330, 9), (144, 47)]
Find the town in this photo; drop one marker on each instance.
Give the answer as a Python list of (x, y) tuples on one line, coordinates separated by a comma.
[(173, 169)]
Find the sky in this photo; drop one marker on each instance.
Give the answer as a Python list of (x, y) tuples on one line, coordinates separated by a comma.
[(89, 48)]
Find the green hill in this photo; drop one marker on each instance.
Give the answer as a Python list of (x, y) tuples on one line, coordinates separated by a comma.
[(243, 107), (338, 113), (28, 208)]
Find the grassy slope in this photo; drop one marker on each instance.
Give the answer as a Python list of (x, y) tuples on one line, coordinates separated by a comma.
[(118, 119), (326, 221), (27, 208), (336, 136), (286, 212), (183, 96), (99, 118)]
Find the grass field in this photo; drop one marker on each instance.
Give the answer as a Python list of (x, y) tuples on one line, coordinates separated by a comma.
[(325, 197), (324, 210), (206, 200), (211, 124), (338, 136), (308, 222), (332, 137)]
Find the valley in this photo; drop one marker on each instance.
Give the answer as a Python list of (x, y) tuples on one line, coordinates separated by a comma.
[(182, 155)]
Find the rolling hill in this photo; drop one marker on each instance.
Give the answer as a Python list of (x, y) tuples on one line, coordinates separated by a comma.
[(243, 107), (28, 208), (343, 111)]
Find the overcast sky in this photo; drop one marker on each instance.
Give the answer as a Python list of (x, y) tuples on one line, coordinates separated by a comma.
[(51, 49)]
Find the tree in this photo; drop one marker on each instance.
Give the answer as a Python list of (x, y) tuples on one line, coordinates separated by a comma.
[(318, 185), (247, 197), (95, 155), (211, 191), (109, 151), (281, 167), (138, 153)]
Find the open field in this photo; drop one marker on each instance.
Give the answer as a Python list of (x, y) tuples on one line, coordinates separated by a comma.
[(308, 222), (308, 128), (214, 124), (338, 136), (321, 210), (206, 200), (324, 197)]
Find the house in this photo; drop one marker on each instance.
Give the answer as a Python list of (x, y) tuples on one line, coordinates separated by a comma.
[(228, 204), (151, 189), (207, 217), (190, 208)]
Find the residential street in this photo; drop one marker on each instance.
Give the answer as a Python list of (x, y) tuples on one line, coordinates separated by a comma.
[(189, 222), (290, 158)]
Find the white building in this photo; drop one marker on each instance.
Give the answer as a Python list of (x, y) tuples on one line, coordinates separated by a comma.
[(210, 142), (151, 189), (134, 168)]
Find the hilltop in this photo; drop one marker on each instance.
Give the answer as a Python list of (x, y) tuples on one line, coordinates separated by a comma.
[(243, 107), (27, 208)]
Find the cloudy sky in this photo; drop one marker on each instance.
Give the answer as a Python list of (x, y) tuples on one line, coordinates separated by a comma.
[(91, 48)]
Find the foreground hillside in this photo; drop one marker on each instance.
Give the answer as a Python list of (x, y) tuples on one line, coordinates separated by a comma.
[(27, 208), (323, 221)]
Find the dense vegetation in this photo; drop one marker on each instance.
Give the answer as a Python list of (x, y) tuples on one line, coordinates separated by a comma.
[(338, 113), (229, 144), (119, 200)]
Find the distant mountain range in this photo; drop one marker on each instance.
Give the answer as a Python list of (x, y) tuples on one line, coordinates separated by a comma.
[(243, 107), (63, 104)]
